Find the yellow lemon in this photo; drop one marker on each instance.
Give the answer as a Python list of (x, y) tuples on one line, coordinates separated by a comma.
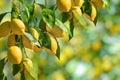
[(27, 63), (14, 55), (37, 49), (4, 29), (27, 43), (34, 33), (11, 40), (56, 31), (78, 3), (17, 27), (63, 5), (54, 45), (99, 3), (96, 46)]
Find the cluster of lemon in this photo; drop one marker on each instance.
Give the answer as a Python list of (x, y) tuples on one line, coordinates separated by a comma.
[(76, 6)]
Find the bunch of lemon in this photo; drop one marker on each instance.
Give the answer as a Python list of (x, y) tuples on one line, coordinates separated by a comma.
[(88, 8)]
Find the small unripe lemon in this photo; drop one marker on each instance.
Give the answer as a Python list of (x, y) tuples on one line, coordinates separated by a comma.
[(17, 27), (27, 43), (14, 55), (11, 40), (56, 31), (63, 5), (4, 29), (34, 33)]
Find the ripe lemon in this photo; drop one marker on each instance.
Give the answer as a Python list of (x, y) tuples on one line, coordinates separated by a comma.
[(93, 13), (78, 3), (14, 55), (17, 27), (4, 29), (11, 40), (27, 43), (37, 49), (2, 3), (99, 3), (56, 31), (96, 46), (63, 5), (34, 33), (53, 45), (27, 63)]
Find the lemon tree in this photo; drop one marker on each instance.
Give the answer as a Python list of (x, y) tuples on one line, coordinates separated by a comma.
[(37, 25)]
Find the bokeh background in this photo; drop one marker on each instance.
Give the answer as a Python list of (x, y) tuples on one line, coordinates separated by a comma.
[(92, 54)]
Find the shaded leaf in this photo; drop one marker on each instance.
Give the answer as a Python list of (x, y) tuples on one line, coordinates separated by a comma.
[(16, 68), (22, 75), (2, 63), (48, 17), (3, 77), (58, 51), (71, 28)]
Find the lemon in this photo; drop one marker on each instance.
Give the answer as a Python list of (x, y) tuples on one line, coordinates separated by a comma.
[(34, 33), (56, 31), (27, 43), (78, 3), (17, 27), (99, 3), (96, 46), (37, 49), (4, 29), (63, 5), (53, 45), (36, 10), (27, 63), (11, 40), (14, 55)]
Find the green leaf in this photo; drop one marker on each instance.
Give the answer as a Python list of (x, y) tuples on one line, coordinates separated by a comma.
[(7, 17), (16, 68), (63, 26), (30, 37), (2, 63), (33, 73), (3, 77), (71, 28), (45, 40), (58, 51), (1, 16), (48, 17), (22, 75), (65, 16), (87, 8)]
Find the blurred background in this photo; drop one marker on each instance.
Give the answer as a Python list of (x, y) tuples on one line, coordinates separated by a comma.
[(92, 54)]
